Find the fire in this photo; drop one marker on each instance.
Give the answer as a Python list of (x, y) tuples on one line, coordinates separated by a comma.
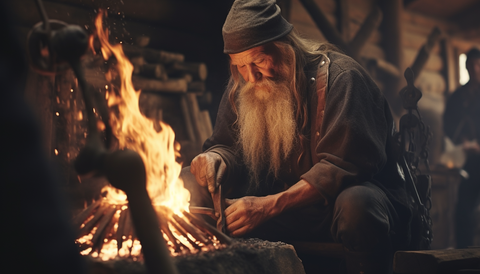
[(159, 152), (133, 130)]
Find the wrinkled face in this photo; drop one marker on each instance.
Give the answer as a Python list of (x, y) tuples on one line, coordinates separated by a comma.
[(255, 65)]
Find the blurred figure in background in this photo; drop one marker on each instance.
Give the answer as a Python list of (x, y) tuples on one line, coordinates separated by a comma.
[(461, 122)]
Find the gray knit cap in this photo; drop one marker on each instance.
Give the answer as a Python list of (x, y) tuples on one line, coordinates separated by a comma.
[(251, 23)]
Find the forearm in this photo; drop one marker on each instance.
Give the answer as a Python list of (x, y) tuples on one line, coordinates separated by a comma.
[(298, 195)]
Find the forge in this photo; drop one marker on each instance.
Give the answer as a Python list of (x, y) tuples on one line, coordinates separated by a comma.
[(142, 222)]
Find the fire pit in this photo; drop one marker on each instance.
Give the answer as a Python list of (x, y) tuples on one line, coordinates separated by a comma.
[(143, 222), (106, 231), (240, 257)]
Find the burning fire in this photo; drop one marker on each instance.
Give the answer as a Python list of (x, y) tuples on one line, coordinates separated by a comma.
[(159, 152)]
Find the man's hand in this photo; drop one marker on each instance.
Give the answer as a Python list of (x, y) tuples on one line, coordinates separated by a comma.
[(246, 213), (209, 170)]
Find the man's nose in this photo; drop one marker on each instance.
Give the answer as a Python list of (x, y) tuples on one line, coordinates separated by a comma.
[(253, 74)]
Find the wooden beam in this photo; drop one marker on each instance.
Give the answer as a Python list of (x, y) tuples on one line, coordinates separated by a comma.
[(424, 52), (436, 261), (343, 15), (330, 33), (370, 24)]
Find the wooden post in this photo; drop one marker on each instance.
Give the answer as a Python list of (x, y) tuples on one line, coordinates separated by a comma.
[(366, 29), (330, 33), (343, 18), (391, 30)]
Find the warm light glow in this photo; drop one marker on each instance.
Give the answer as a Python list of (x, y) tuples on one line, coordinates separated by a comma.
[(463, 72), (80, 115), (136, 132), (56, 152), (159, 152)]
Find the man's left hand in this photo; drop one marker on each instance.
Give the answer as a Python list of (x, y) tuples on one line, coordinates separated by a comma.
[(246, 213)]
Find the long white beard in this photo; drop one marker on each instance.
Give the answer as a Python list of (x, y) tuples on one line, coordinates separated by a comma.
[(267, 125)]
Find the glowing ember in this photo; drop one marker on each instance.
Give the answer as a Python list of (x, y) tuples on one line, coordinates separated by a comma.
[(106, 230)]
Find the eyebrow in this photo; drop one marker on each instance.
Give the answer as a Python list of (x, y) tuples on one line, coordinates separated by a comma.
[(259, 56)]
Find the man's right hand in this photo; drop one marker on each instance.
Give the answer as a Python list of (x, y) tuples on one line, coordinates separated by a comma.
[(209, 169)]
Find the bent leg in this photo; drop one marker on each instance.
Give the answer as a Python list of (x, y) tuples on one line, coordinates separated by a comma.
[(362, 221)]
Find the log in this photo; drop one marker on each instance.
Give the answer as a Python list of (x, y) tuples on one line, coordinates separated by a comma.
[(88, 226), (121, 227), (107, 218), (103, 230), (183, 232), (153, 56), (177, 245), (195, 232), (156, 71), (80, 218), (206, 227), (197, 70), (436, 261), (197, 87), (187, 119), (169, 86), (207, 122)]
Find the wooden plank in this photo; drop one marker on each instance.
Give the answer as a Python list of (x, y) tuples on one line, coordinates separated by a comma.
[(436, 261), (434, 61), (82, 216)]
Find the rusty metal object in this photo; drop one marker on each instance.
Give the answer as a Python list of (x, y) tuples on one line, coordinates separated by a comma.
[(219, 204), (204, 211)]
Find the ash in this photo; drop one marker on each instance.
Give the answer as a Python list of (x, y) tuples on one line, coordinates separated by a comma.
[(242, 256)]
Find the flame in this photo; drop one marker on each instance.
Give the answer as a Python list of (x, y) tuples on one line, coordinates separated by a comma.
[(133, 130), (158, 149)]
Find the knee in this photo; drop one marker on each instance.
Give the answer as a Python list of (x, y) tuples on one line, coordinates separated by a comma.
[(361, 217)]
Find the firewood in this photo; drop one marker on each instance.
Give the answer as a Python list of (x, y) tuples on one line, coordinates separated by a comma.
[(197, 70), (187, 117), (98, 215), (180, 229), (197, 87), (156, 71), (195, 232), (170, 86), (80, 218), (207, 122), (202, 225), (153, 56), (121, 227), (177, 245), (107, 218)]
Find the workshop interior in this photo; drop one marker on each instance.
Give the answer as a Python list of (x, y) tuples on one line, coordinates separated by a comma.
[(106, 101)]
